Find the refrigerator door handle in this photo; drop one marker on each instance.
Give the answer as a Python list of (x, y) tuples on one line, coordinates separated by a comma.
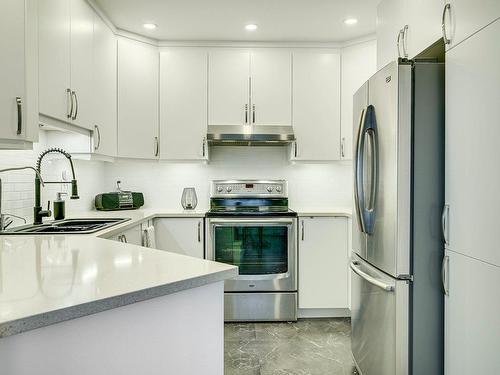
[(372, 280), (368, 127), (444, 275), (357, 166)]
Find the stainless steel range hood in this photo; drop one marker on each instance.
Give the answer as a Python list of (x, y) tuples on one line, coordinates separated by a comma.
[(250, 135)]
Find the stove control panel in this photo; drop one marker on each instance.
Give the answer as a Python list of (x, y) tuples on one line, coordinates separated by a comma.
[(249, 188)]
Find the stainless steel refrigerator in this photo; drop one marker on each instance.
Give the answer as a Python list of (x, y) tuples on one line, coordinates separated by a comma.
[(396, 293)]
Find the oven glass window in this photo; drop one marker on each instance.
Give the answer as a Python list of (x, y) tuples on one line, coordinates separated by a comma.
[(256, 250)]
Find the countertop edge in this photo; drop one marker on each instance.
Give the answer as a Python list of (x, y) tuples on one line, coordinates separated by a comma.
[(77, 311), (324, 214)]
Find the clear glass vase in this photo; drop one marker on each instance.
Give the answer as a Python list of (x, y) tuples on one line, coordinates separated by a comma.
[(189, 199)]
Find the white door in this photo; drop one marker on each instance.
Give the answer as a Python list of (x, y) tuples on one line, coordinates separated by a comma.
[(183, 104), (82, 29), (132, 235), (391, 18), (466, 17), (104, 89), (316, 105), (424, 24), (138, 65), (180, 235), (12, 70), (54, 58), (228, 87), (472, 321), (359, 63), (271, 87), (323, 263), (472, 176)]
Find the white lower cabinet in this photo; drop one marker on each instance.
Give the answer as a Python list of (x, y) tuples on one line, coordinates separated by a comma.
[(180, 235), (472, 319), (323, 265), (132, 235)]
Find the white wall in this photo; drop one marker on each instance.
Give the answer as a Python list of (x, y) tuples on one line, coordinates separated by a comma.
[(18, 186), (311, 186)]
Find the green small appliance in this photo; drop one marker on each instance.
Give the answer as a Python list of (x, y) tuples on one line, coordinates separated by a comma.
[(119, 200)]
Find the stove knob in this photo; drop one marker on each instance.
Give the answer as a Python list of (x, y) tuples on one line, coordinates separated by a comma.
[(219, 189), (270, 189), (278, 189), (229, 189)]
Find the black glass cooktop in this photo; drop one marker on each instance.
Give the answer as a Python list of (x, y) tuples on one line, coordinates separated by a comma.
[(250, 207)]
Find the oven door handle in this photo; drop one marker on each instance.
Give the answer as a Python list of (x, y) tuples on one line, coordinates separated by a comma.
[(235, 221)]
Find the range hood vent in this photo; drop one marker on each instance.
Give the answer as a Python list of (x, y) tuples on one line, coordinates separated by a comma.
[(250, 135)]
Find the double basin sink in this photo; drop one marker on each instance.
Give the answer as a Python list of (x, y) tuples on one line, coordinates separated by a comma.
[(69, 226)]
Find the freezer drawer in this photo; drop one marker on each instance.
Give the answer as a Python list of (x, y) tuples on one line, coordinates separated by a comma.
[(379, 316)]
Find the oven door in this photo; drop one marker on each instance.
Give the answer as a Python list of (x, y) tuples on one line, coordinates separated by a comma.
[(264, 249)]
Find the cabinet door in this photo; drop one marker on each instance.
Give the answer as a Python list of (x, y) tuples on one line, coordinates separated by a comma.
[(54, 58), (132, 235), (138, 65), (104, 89), (468, 17), (183, 104), (180, 235), (359, 63), (12, 70), (82, 29), (472, 322), (271, 88), (391, 18), (323, 262), (472, 175), (228, 87), (424, 24), (316, 105)]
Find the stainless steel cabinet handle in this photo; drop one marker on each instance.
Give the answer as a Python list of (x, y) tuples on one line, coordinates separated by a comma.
[(295, 148), (444, 223), (157, 146), (370, 279), (98, 133), (203, 147), (69, 110), (446, 9), (253, 113), (122, 238), (73, 94), (199, 231), (19, 115), (246, 113), (342, 147), (405, 41), (444, 275), (399, 42), (302, 230)]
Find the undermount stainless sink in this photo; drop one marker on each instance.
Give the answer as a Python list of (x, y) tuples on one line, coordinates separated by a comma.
[(69, 226)]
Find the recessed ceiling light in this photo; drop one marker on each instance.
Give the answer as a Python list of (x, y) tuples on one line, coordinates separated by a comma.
[(350, 21), (150, 26), (251, 27)]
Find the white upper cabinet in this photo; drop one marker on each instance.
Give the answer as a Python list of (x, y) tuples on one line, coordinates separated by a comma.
[(472, 133), (17, 92), (228, 87), (104, 89), (316, 105), (249, 87), (82, 30), (138, 78), (359, 63), (65, 53), (465, 17), (271, 87), (183, 104), (406, 27), (54, 27), (323, 263)]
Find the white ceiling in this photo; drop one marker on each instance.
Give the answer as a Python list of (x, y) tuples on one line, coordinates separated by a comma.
[(224, 20)]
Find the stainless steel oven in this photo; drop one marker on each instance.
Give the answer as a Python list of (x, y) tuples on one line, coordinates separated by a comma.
[(250, 226)]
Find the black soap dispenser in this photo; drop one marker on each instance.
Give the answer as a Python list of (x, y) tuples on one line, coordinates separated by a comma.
[(59, 206)]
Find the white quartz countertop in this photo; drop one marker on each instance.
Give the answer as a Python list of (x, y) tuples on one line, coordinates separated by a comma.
[(45, 279), (322, 212)]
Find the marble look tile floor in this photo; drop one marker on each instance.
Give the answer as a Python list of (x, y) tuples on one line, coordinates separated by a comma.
[(307, 347)]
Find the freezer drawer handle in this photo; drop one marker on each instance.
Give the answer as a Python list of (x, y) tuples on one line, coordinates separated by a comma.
[(370, 279)]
